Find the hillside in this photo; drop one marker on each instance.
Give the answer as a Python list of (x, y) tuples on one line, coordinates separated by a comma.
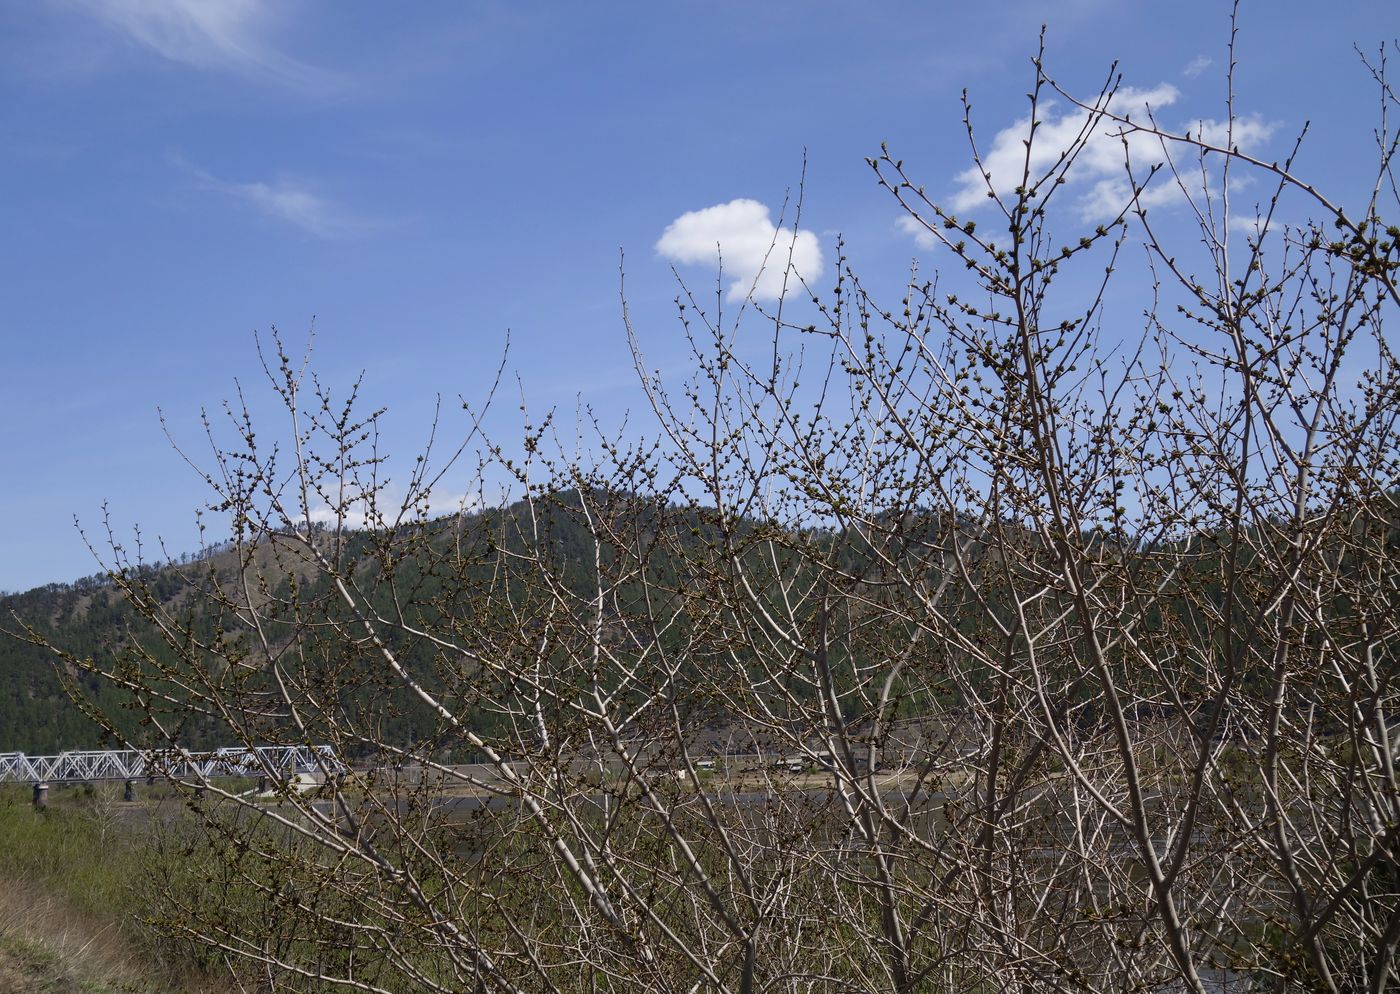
[(36, 715), (445, 568), (90, 619), (452, 569)]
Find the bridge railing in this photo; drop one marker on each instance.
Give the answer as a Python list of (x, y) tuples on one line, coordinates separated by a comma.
[(134, 764)]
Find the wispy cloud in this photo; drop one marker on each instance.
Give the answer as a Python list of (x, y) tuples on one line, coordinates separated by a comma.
[(917, 230), (288, 201), (283, 200), (1098, 170), (758, 256), (1197, 66), (210, 34)]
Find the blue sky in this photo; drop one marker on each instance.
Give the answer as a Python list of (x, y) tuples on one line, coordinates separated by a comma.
[(423, 179)]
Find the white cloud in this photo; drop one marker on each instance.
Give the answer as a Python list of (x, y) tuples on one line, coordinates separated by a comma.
[(758, 257), (359, 513), (287, 201), (1197, 66), (1248, 132), (208, 34), (295, 205), (920, 233), (1099, 166), (1102, 156)]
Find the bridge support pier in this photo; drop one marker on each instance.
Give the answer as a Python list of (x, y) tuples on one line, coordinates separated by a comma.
[(129, 793), (262, 784), (199, 793), (41, 795)]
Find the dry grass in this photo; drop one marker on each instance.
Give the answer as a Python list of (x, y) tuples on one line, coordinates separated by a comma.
[(47, 945), (68, 918)]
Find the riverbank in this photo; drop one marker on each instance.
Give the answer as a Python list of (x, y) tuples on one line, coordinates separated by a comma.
[(71, 914)]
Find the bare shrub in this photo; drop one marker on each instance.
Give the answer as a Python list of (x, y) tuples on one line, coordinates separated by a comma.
[(967, 641)]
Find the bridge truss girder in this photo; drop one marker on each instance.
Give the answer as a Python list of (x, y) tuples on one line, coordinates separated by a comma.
[(134, 764)]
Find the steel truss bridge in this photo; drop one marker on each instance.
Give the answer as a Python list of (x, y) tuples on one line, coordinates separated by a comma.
[(174, 764)]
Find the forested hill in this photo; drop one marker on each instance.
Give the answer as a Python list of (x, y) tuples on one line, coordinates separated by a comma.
[(88, 618), (91, 619), (36, 715), (444, 568)]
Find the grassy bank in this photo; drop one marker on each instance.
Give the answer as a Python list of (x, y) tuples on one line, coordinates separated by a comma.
[(71, 906)]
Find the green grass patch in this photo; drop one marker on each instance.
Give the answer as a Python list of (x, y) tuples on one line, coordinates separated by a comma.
[(71, 905)]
